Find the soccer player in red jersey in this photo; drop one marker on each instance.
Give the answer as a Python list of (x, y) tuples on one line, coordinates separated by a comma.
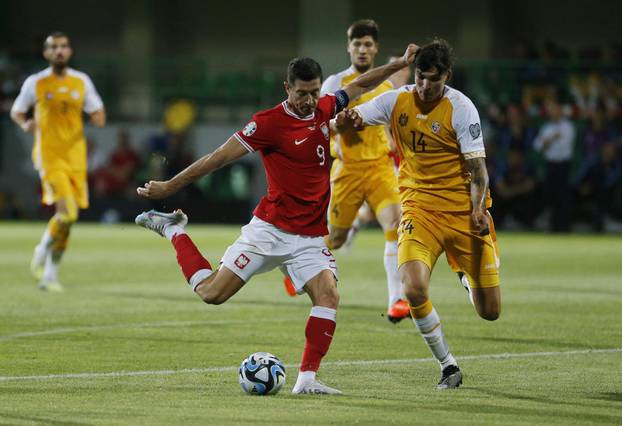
[(289, 224)]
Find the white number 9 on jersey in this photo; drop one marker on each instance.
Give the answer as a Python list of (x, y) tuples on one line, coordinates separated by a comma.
[(321, 154)]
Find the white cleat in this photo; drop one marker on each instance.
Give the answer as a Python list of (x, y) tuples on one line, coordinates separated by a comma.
[(37, 263), (315, 387), (51, 286), (158, 221)]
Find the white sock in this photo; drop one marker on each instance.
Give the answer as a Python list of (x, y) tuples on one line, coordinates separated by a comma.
[(304, 377), (50, 272), (394, 284), (432, 332), (46, 241), (172, 230), (198, 277)]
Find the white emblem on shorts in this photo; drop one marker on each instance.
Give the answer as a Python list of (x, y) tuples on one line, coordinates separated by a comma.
[(325, 131), (242, 261), (249, 129), (436, 126)]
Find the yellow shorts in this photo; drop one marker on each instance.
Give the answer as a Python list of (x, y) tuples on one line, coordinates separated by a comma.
[(61, 184), (353, 183), (424, 235)]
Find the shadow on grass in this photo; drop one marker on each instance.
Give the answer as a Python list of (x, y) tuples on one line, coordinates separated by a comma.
[(42, 420), (556, 402), (540, 343), (609, 396)]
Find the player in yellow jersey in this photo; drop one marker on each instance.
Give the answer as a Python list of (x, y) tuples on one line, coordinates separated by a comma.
[(362, 170), (444, 193), (59, 95)]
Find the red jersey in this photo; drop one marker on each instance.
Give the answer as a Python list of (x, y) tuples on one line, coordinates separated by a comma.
[(296, 157)]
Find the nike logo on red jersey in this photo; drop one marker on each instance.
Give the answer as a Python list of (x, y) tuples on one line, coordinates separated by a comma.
[(298, 142)]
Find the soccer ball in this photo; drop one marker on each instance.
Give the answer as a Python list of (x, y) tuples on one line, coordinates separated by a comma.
[(262, 374)]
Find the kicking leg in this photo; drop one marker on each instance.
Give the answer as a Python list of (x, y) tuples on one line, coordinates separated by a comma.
[(212, 287)]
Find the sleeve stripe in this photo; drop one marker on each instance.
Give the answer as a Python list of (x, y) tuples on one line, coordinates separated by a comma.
[(474, 154), (243, 142)]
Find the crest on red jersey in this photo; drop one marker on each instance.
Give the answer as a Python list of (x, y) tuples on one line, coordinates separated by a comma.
[(249, 129), (242, 261), (325, 130)]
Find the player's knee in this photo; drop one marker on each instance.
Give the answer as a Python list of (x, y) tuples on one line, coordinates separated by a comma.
[(490, 313), (68, 218), (329, 297), (210, 294)]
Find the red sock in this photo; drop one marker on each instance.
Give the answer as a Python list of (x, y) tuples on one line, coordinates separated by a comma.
[(188, 256), (319, 334)]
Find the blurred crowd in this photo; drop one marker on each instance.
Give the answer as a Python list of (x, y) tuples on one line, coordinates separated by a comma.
[(555, 146), (552, 123)]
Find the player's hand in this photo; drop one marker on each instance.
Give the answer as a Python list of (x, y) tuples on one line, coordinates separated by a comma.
[(155, 189), (348, 119), (481, 221), (28, 125), (409, 55)]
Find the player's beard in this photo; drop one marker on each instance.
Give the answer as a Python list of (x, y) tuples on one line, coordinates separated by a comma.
[(59, 66), (362, 68)]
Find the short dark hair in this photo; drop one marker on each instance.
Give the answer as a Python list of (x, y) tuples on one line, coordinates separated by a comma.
[(54, 34), (437, 53), (305, 69), (362, 28)]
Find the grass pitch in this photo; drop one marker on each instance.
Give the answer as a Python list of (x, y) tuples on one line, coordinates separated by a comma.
[(128, 342)]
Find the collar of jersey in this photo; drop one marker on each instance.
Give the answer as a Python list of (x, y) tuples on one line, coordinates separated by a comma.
[(293, 114)]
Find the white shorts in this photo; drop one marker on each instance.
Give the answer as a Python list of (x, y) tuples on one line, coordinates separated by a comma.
[(263, 247)]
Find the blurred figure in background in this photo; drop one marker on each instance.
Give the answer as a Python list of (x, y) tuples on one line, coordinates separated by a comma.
[(515, 191), (555, 141), (600, 130), (59, 95), (116, 177), (598, 187)]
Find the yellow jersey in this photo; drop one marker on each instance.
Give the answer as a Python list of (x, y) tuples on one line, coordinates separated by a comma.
[(433, 146), (369, 144), (58, 105)]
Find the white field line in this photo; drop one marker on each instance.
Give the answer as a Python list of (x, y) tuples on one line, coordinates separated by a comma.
[(69, 330), (115, 374)]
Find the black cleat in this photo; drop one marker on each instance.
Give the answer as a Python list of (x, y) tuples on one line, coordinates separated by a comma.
[(451, 378)]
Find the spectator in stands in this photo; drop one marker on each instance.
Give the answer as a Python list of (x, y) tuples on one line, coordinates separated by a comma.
[(599, 131), (515, 134), (515, 191), (118, 175), (555, 141), (598, 187)]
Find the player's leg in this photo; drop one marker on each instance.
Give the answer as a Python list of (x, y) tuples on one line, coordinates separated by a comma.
[(58, 189), (389, 218), (364, 216), (383, 197), (319, 331), (212, 287), (347, 196), (476, 259), (418, 251), (302, 267)]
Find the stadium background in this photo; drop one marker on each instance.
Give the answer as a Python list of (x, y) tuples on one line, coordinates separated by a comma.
[(178, 78)]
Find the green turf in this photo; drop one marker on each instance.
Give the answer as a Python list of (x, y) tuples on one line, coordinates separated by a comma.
[(127, 309)]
